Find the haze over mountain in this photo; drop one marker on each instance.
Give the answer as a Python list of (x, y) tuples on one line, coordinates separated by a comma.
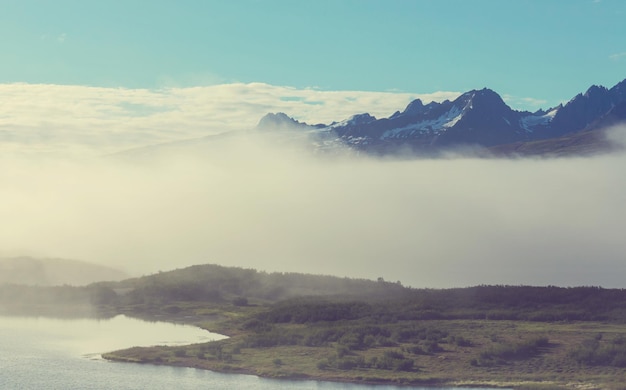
[(477, 122), (476, 118)]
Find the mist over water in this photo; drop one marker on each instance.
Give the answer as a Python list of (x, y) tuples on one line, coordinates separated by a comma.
[(278, 207)]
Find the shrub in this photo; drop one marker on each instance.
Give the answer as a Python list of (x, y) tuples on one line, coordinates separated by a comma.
[(403, 364), (342, 351), (593, 352), (392, 360), (416, 350), (433, 346), (394, 355), (502, 352), (256, 325), (352, 340), (462, 342), (173, 309), (346, 364)]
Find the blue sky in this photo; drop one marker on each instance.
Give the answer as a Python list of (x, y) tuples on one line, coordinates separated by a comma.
[(542, 51)]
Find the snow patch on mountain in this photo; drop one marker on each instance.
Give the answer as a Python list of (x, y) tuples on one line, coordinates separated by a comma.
[(531, 122), (432, 126), (355, 120)]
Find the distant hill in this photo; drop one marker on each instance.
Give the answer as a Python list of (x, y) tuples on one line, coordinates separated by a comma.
[(218, 283), (194, 292), (54, 272), (290, 293)]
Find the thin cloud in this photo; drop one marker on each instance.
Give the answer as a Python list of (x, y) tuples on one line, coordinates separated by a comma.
[(527, 103), (59, 38), (618, 56), (53, 118)]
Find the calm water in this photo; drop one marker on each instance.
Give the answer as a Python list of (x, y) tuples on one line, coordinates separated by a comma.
[(42, 353)]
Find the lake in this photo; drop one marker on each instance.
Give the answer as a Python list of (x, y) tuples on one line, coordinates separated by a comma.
[(45, 353)]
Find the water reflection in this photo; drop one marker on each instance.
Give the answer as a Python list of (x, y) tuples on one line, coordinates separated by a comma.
[(93, 337), (45, 353)]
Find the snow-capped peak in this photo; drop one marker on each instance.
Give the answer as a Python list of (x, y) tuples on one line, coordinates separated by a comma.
[(279, 120), (355, 120), (531, 122)]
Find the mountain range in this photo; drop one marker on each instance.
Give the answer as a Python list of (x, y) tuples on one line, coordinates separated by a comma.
[(478, 121), (476, 118)]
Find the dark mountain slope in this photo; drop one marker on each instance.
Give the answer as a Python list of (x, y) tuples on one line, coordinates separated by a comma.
[(477, 118)]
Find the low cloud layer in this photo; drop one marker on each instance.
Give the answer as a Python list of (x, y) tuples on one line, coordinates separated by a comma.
[(247, 202), (62, 120)]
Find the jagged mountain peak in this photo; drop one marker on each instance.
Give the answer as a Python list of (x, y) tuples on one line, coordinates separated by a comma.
[(618, 92), (481, 100), (278, 120), (584, 109), (595, 90), (620, 85), (355, 120), (476, 117), (415, 106), (363, 118), (484, 95)]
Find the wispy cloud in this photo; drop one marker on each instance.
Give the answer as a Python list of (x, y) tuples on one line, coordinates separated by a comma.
[(618, 56), (525, 103), (104, 120), (59, 38)]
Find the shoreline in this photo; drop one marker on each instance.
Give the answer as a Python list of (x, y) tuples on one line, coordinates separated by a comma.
[(110, 356), (244, 365), (434, 370)]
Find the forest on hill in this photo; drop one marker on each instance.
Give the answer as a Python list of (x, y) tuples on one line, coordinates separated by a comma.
[(288, 295)]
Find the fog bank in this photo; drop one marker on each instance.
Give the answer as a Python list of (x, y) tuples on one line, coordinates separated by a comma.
[(249, 203)]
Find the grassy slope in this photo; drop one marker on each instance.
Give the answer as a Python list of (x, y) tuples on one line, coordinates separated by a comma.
[(452, 365), (583, 143)]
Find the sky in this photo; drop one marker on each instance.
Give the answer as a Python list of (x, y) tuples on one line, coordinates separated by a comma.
[(82, 81), (535, 53)]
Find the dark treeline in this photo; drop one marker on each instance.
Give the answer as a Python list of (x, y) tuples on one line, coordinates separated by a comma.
[(302, 298), (217, 283), (482, 302), (524, 303)]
